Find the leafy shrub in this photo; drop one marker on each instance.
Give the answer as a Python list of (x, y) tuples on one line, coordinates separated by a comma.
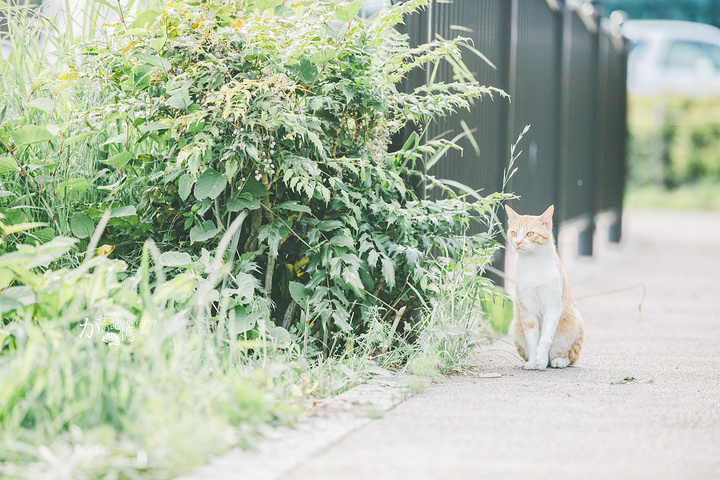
[(281, 110)]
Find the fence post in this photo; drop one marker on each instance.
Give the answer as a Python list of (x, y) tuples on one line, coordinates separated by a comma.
[(578, 123), (502, 153), (615, 233)]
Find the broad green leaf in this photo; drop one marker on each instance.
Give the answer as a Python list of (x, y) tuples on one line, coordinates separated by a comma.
[(137, 32), (352, 277), (73, 185), (29, 256), (372, 257), (21, 227), (154, 60), (158, 43), (146, 18), (195, 127), (8, 164), (119, 138), (281, 337), (293, 207), (203, 232), (141, 75), (328, 225), (44, 235), (340, 319), (12, 215), (210, 184), (13, 298), (243, 322), (185, 186), (81, 225), (244, 200), (273, 233), (388, 270), (175, 259), (335, 28), (298, 293), (307, 71), (350, 259), (245, 286), (7, 276), (31, 134), (44, 104), (120, 160), (76, 138), (254, 188), (180, 100), (151, 127), (263, 5), (347, 12), (322, 57), (126, 211), (342, 240)]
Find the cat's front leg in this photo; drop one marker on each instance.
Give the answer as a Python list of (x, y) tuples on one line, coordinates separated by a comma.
[(532, 336), (549, 326)]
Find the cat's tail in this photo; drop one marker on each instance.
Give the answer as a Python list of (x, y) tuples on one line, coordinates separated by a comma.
[(574, 352)]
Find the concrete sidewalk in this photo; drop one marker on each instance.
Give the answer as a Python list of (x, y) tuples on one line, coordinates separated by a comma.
[(584, 422)]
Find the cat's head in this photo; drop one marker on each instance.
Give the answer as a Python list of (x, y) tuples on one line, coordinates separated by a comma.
[(529, 233)]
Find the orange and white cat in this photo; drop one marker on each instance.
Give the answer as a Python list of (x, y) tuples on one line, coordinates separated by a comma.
[(546, 325)]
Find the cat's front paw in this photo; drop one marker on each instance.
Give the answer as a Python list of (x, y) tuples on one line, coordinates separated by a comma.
[(541, 361), (530, 365), (559, 362)]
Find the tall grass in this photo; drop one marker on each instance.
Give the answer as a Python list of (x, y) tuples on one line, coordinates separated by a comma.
[(177, 388), (40, 63), (174, 389)]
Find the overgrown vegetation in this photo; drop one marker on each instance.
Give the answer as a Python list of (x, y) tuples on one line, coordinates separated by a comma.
[(203, 225), (210, 110), (673, 152)]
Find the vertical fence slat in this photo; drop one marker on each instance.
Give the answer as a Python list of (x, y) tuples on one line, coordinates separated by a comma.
[(578, 122), (536, 42), (489, 25)]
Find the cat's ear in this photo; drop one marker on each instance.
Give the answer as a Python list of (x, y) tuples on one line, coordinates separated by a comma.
[(546, 217), (512, 214)]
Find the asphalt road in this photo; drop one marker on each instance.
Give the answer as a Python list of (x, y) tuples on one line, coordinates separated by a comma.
[(642, 403)]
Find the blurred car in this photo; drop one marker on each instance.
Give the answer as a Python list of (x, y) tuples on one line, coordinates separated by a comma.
[(672, 56), (371, 7)]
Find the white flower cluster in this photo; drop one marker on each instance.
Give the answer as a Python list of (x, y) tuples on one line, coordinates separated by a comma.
[(265, 162)]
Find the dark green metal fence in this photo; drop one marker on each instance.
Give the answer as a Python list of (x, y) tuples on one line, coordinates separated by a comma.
[(565, 72)]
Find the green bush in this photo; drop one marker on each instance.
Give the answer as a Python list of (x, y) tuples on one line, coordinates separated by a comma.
[(202, 112)]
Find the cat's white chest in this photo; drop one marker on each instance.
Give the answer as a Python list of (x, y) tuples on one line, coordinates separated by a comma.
[(539, 284)]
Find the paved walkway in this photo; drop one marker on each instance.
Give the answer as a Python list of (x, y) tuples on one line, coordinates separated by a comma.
[(584, 422)]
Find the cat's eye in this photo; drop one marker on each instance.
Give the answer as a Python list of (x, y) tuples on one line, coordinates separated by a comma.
[(530, 234), (513, 233)]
